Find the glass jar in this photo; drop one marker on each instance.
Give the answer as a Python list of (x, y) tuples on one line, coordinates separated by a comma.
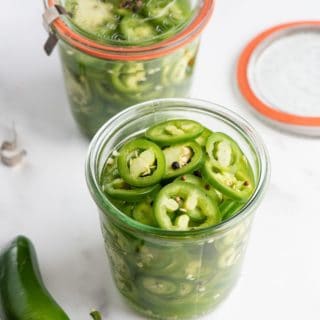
[(102, 79), (169, 274)]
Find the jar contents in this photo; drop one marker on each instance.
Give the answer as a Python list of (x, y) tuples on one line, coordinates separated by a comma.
[(179, 176), (97, 88), (129, 22)]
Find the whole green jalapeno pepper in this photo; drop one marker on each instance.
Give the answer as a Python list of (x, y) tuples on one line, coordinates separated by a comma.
[(23, 295)]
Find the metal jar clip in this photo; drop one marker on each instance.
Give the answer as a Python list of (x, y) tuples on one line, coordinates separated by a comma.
[(49, 16)]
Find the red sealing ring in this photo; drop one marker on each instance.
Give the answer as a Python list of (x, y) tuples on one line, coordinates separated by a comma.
[(248, 93), (157, 50)]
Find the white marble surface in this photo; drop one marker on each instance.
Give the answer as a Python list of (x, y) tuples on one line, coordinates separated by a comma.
[(47, 198)]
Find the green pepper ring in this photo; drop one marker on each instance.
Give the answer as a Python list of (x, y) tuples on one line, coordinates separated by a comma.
[(195, 162), (189, 178), (124, 170), (183, 189), (210, 172), (229, 208), (132, 195), (122, 87), (143, 212), (210, 144), (156, 133)]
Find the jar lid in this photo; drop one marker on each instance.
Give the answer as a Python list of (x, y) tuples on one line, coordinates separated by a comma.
[(279, 75)]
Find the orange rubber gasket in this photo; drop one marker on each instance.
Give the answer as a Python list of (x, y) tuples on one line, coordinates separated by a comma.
[(248, 93), (134, 53)]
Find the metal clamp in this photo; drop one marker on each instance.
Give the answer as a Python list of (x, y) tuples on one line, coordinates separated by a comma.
[(50, 15)]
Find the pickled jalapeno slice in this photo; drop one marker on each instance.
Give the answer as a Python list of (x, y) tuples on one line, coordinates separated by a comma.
[(235, 185), (120, 190), (167, 13), (182, 158), (203, 185), (174, 131), (130, 78), (143, 212), (177, 201), (78, 88), (223, 151), (202, 139), (91, 15), (141, 163), (229, 208), (136, 29)]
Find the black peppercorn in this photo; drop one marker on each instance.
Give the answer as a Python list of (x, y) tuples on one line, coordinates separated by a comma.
[(175, 165), (197, 173)]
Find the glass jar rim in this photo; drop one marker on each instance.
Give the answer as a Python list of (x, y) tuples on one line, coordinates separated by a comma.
[(98, 142), (134, 53)]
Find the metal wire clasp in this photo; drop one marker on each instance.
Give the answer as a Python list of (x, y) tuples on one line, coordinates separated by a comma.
[(49, 16)]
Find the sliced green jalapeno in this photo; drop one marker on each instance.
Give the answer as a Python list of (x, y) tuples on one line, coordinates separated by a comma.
[(106, 91), (165, 288), (141, 163), (143, 212), (178, 72), (174, 131), (120, 190), (176, 200), (182, 158), (168, 13), (136, 29), (93, 17), (244, 166), (130, 77), (78, 88), (152, 260), (205, 187), (235, 185), (126, 207), (202, 139), (229, 208), (159, 286), (110, 170), (222, 150)]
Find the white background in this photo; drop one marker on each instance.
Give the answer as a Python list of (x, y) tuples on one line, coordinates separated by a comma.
[(47, 199)]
